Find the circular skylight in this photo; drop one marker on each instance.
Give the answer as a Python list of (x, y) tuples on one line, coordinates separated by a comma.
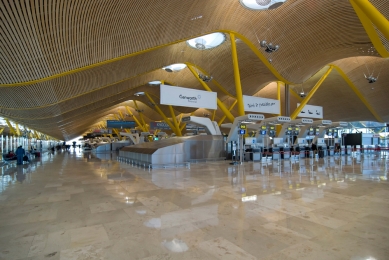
[(208, 41), (175, 67), (261, 4), (155, 82)]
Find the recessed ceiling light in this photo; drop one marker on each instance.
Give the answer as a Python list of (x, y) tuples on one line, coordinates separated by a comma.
[(155, 82), (208, 41), (139, 94), (261, 4), (175, 67)]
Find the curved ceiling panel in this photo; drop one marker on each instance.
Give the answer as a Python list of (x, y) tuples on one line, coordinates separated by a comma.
[(66, 64)]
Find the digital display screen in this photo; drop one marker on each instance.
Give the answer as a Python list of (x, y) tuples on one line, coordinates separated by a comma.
[(263, 132), (120, 124), (329, 130), (272, 128), (242, 132), (297, 129), (242, 126), (317, 130), (311, 129), (290, 128), (263, 127)]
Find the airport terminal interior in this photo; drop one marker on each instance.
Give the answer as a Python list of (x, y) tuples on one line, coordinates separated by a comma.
[(205, 129)]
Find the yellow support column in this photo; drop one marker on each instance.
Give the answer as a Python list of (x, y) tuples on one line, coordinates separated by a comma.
[(238, 86), (310, 94), (135, 119), (162, 114), (1, 130), (370, 30), (279, 94), (121, 115), (358, 93), (219, 103), (141, 117), (278, 127), (213, 115), (374, 15), (11, 129), (17, 129), (224, 117), (175, 120)]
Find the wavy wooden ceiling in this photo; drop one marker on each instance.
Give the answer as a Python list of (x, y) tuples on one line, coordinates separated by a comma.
[(65, 64)]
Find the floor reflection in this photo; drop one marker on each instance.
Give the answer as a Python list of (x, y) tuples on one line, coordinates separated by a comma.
[(75, 204)]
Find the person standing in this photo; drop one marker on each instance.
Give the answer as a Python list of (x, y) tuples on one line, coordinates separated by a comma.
[(19, 155)]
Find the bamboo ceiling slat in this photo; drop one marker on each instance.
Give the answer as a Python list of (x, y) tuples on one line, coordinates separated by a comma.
[(45, 38)]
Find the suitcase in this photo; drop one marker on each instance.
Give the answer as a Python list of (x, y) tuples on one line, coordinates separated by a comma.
[(25, 158)]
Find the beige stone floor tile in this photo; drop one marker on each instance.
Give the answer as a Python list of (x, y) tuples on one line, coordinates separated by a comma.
[(91, 252), (53, 185), (48, 214), (323, 220), (101, 207), (87, 236), (309, 250), (16, 248), (173, 213), (224, 249), (59, 197)]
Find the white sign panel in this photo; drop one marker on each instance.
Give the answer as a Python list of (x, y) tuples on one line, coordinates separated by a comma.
[(263, 105), (186, 97), (311, 111)]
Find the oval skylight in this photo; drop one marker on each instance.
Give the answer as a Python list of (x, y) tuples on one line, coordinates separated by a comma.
[(261, 4), (155, 82), (175, 67), (208, 41)]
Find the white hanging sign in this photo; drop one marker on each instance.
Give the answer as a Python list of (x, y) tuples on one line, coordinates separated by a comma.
[(263, 105), (186, 97), (310, 111)]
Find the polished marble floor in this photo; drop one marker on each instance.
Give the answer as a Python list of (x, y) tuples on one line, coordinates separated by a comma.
[(75, 205)]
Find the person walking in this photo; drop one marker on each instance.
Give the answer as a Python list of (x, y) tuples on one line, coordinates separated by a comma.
[(19, 154)]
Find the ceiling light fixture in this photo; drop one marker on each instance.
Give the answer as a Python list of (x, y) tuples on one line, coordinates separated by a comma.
[(269, 47), (207, 41), (155, 82), (175, 67), (138, 94), (261, 5)]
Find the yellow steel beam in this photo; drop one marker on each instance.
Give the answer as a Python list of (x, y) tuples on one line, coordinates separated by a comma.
[(11, 129), (36, 135), (116, 132), (116, 117), (121, 115), (213, 115), (175, 121), (358, 93), (279, 94), (141, 116), (310, 94), (17, 129), (375, 16), (161, 113), (243, 38), (238, 86), (219, 103), (217, 84), (224, 117), (1, 130), (365, 12), (135, 119)]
